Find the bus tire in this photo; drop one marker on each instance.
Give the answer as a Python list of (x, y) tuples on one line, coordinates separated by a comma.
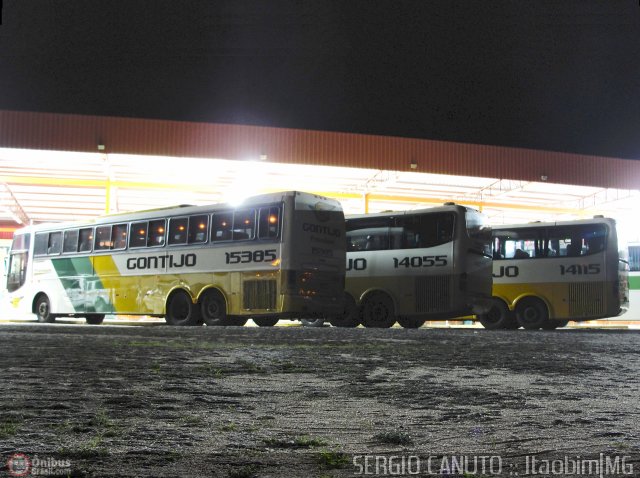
[(235, 321), (554, 324), (181, 310), (532, 313), (265, 321), (498, 317), (213, 308), (411, 322), (349, 317), (378, 311), (94, 319), (312, 322), (43, 310)]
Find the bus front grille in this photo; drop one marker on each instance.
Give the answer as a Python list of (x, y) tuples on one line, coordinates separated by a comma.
[(260, 294), (586, 299), (432, 294)]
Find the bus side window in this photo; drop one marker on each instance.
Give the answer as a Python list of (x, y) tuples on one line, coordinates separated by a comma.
[(138, 237), (198, 229), (55, 243), (178, 230), (70, 243), (86, 240), (268, 222), (119, 236), (103, 238), (244, 224), (156, 233), (221, 225), (41, 243)]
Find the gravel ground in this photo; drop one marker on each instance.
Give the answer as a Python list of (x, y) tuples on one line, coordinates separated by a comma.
[(158, 401)]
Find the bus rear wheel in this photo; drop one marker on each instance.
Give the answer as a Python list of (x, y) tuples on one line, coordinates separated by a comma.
[(411, 322), (554, 324), (213, 309), (94, 319), (181, 310), (498, 317), (532, 313), (349, 317), (378, 311), (43, 310), (265, 321)]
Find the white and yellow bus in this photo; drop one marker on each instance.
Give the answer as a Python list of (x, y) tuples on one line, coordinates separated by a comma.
[(634, 283), (413, 266), (278, 255), (546, 274)]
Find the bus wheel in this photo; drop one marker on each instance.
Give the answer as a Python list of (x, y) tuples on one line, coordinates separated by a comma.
[(312, 322), (378, 312), (554, 324), (180, 310), (43, 310), (411, 322), (349, 317), (235, 321), (532, 313), (213, 308), (265, 321), (94, 319), (498, 317)]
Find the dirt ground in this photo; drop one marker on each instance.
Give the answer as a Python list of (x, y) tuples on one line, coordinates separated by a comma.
[(159, 401)]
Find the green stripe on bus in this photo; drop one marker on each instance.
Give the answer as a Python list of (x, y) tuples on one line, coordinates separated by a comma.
[(69, 271), (634, 282)]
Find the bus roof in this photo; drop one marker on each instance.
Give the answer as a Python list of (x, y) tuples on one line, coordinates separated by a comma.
[(173, 211), (447, 207), (594, 220)]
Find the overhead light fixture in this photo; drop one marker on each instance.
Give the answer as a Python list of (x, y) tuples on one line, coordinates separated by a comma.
[(544, 177), (263, 157), (413, 164), (100, 147)]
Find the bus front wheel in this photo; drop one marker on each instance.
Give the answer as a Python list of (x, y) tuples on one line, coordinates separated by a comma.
[(554, 324), (498, 317), (411, 322), (181, 310), (94, 319), (532, 313), (43, 310), (265, 321), (378, 311)]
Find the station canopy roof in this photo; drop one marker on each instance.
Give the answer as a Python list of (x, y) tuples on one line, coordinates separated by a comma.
[(44, 186)]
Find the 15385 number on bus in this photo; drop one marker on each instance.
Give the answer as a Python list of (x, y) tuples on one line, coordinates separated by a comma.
[(245, 257)]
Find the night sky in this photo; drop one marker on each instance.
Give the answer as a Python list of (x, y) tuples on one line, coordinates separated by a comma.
[(561, 75)]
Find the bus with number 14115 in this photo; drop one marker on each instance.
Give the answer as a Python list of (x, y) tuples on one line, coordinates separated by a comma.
[(548, 273)]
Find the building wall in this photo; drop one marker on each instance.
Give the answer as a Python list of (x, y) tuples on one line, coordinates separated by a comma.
[(173, 138)]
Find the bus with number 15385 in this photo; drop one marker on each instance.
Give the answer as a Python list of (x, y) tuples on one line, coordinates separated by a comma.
[(278, 255)]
